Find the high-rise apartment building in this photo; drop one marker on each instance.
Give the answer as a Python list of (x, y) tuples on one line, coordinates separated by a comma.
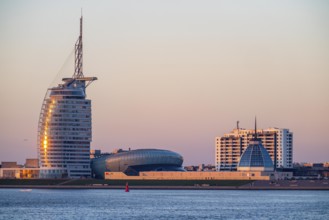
[(278, 142), (64, 132)]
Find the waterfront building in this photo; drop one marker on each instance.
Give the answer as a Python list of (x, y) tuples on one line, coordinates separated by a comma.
[(277, 141), (133, 162), (64, 131), (311, 170), (19, 173), (12, 170)]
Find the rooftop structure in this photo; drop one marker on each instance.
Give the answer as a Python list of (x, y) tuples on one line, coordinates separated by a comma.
[(31, 163), (10, 165), (64, 132)]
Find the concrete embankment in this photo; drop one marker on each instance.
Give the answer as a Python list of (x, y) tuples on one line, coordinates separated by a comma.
[(166, 187), (251, 185)]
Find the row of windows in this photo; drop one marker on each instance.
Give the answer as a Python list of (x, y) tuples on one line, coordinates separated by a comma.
[(52, 149), (56, 114), (65, 154), (242, 142), (65, 148), (232, 147), (79, 171), (70, 142), (67, 92), (48, 155), (55, 135), (66, 162), (65, 157), (58, 105), (68, 138), (69, 124), (64, 110), (60, 166), (69, 129), (235, 164), (52, 171), (70, 101), (65, 122), (71, 115), (68, 158), (72, 97), (63, 119), (81, 110)]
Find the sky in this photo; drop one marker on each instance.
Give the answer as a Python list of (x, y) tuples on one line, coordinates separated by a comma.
[(171, 74)]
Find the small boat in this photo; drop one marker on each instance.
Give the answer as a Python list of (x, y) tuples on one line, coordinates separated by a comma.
[(127, 187), (26, 190)]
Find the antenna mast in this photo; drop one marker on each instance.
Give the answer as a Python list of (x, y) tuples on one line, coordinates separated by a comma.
[(78, 73), (255, 128), (78, 76)]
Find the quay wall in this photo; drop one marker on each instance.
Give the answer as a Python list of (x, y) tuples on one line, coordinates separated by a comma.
[(165, 175)]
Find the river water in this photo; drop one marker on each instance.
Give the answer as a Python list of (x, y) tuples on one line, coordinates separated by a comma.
[(162, 204)]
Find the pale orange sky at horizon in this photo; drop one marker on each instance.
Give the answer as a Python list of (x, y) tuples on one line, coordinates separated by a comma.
[(172, 74)]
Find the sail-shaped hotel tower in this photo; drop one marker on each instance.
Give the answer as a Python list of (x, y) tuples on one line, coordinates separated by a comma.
[(64, 132)]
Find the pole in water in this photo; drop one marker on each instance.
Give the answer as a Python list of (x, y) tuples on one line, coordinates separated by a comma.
[(127, 187)]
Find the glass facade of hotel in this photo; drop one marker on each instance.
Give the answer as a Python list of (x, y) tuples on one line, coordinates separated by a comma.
[(64, 131), (64, 134)]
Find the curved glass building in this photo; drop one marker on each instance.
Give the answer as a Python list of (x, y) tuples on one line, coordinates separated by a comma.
[(134, 161), (255, 158), (64, 130)]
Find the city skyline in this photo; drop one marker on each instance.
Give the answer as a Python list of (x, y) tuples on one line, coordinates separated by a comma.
[(171, 75)]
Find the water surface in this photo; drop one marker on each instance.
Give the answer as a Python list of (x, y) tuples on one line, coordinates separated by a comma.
[(163, 204)]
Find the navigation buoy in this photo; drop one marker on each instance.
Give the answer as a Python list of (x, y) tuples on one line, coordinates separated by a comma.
[(127, 187)]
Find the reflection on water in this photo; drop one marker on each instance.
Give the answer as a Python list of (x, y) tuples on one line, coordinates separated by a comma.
[(162, 204)]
